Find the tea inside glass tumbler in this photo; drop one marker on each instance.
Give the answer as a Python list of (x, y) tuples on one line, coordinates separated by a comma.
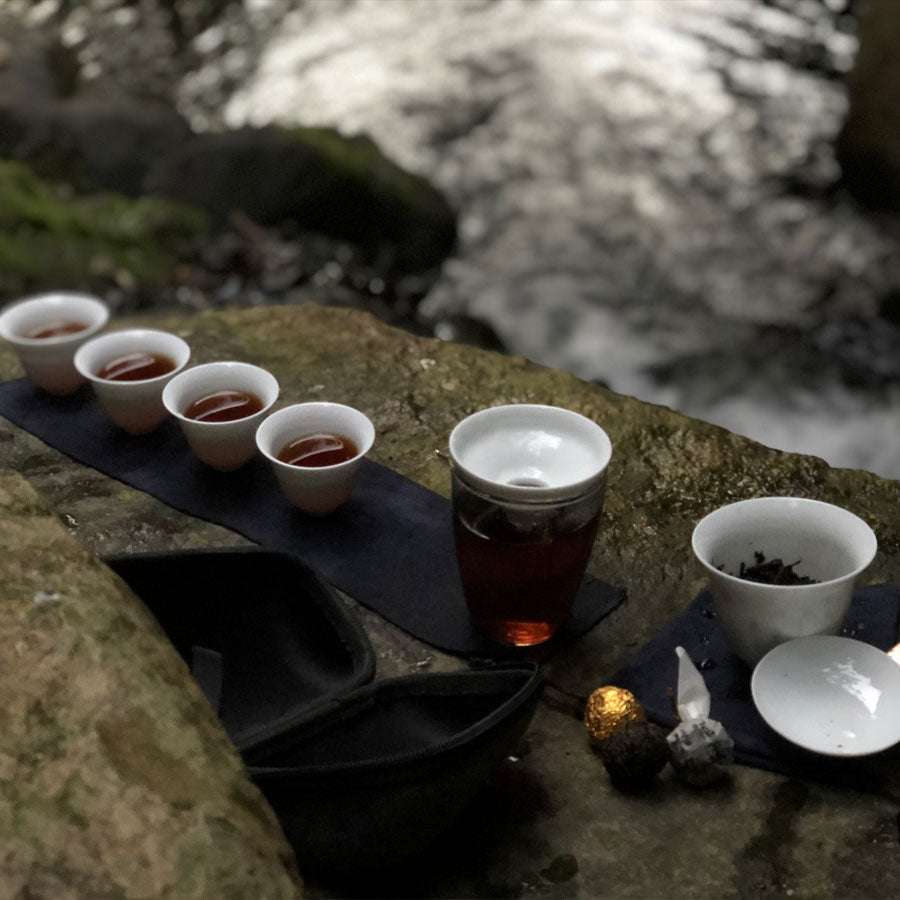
[(528, 486), (522, 563)]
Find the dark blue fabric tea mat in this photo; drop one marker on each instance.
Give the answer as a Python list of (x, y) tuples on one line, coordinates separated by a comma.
[(390, 548), (652, 676)]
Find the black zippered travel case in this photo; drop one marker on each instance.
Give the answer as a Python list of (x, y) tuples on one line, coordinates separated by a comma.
[(361, 773)]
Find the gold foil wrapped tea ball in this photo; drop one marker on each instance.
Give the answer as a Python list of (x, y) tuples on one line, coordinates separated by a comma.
[(608, 708)]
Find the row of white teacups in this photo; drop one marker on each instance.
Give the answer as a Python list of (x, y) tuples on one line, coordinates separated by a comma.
[(60, 365), (790, 685)]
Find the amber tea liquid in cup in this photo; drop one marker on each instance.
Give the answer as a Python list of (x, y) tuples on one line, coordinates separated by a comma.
[(317, 489), (227, 442), (528, 487), (135, 403), (46, 330)]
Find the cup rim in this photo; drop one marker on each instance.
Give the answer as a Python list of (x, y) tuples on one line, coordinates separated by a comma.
[(868, 553), (112, 337), (282, 414), (185, 374), (103, 315), (530, 493)]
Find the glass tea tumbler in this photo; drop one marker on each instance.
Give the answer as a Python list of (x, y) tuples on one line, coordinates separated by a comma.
[(528, 486)]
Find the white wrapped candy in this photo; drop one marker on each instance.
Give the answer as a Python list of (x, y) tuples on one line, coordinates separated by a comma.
[(699, 747)]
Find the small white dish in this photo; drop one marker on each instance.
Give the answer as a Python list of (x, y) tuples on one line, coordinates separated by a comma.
[(135, 406), (48, 361), (225, 446), (316, 490), (530, 450), (832, 695)]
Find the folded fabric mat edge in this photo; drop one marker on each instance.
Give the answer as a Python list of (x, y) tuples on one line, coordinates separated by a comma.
[(390, 548)]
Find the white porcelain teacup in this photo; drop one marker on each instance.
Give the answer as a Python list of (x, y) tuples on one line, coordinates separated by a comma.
[(67, 321), (134, 405), (317, 490), (224, 445), (821, 541)]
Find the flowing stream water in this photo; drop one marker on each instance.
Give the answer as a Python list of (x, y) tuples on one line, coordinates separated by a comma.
[(645, 190)]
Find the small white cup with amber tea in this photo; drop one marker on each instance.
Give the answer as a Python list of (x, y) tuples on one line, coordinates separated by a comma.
[(219, 406), (826, 544), (315, 450), (46, 330), (128, 371)]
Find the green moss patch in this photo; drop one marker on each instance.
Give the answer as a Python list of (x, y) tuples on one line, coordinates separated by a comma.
[(50, 238)]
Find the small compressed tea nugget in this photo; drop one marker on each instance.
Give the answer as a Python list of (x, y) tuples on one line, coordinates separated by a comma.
[(699, 747), (608, 708), (635, 753), (701, 751)]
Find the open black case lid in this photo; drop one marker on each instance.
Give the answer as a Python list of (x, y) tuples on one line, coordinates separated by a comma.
[(267, 640), (360, 774)]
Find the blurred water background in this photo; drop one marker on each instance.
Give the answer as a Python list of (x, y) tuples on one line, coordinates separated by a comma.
[(647, 190)]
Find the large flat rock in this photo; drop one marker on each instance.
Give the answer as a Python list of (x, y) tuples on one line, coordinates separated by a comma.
[(550, 825), (116, 780)]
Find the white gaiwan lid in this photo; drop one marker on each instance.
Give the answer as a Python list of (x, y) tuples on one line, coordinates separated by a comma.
[(530, 452)]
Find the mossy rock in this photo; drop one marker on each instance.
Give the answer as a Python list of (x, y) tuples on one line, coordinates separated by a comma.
[(117, 780), (316, 177), (90, 143), (50, 238)]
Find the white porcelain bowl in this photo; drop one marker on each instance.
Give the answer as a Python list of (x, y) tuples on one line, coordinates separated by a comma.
[(832, 695), (48, 362), (135, 406), (317, 491), (826, 542), (225, 446), (530, 450)]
